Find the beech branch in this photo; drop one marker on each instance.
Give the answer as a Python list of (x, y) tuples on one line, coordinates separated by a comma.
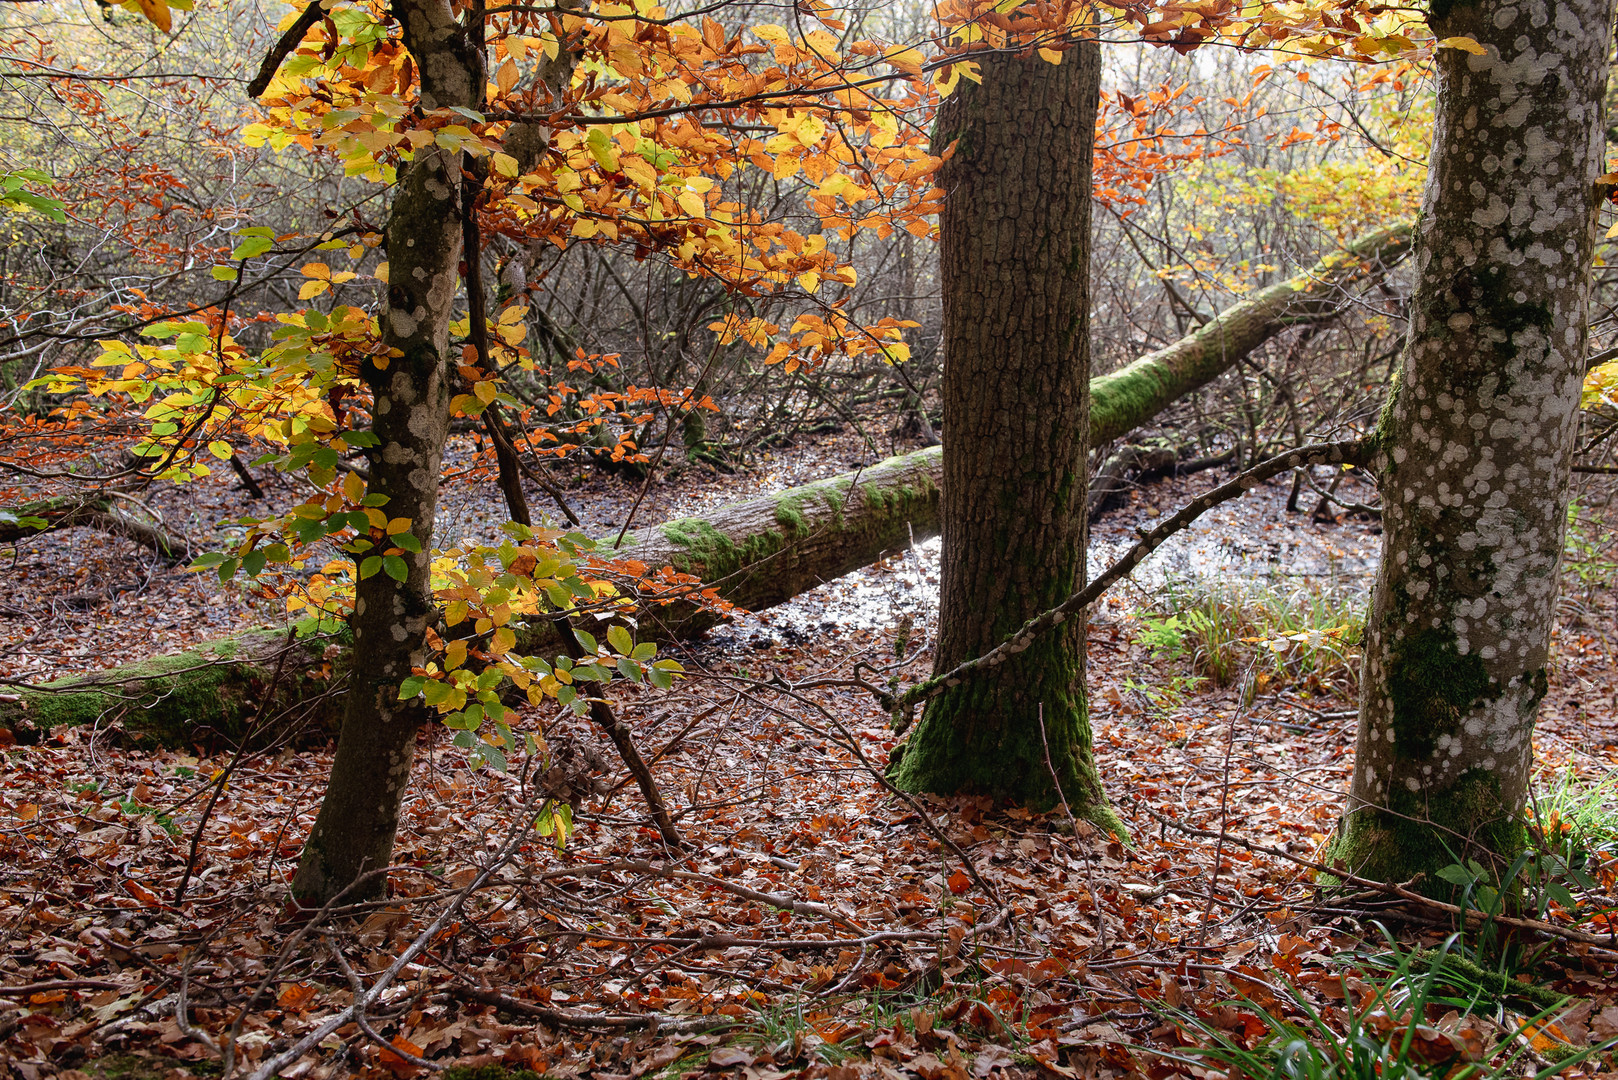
[(289, 41)]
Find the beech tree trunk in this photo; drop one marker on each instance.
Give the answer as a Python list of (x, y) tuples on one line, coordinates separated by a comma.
[(1015, 259), (1476, 445), (359, 816)]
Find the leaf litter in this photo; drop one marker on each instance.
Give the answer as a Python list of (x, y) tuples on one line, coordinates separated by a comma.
[(818, 926)]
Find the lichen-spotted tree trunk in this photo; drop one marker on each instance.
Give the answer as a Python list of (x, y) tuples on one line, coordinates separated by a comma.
[(1015, 263), (1477, 441), (355, 828)]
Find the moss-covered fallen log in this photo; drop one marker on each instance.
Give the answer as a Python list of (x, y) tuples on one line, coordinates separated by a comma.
[(764, 551), (757, 552), (218, 690), (95, 511)]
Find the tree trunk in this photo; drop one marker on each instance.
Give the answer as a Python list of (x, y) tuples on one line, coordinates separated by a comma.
[(1477, 441), (1124, 399), (212, 692), (1015, 260), (359, 816)]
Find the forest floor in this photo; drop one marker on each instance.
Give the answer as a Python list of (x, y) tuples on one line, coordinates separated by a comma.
[(820, 926)]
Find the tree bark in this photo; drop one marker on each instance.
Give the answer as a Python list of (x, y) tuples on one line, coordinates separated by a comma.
[(1477, 441), (359, 816), (1015, 262)]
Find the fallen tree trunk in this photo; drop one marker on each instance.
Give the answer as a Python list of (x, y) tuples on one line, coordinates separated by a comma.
[(215, 691), (758, 552), (97, 512), (765, 551)]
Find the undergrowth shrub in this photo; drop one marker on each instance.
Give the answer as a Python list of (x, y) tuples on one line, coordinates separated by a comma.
[(1305, 636)]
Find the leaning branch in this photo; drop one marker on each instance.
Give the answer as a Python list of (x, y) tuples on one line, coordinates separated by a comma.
[(288, 41), (1352, 452)]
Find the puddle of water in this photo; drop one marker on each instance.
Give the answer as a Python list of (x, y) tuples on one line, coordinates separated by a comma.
[(1251, 540)]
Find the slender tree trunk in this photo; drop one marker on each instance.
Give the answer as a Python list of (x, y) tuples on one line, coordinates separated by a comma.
[(1477, 441), (355, 828), (1015, 262)]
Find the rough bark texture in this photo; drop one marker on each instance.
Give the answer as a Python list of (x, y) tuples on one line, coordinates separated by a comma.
[(1477, 441), (1015, 263), (358, 818)]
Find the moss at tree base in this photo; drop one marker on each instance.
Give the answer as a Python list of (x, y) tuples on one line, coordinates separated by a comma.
[(984, 737), (1410, 840)]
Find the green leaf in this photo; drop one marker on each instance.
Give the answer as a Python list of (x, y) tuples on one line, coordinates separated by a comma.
[(620, 640), (412, 687), (644, 651), (659, 678), (396, 567), (629, 669), (1456, 875), (587, 641), (223, 273), (369, 566)]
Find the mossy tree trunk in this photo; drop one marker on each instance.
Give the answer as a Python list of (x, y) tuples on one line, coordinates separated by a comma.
[(1015, 260), (1477, 442), (359, 816)]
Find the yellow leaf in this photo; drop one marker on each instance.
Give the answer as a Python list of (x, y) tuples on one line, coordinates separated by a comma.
[(318, 271), (1052, 55), (810, 281), (454, 655), (506, 77), (312, 289), (1465, 44), (398, 525), (692, 204), (504, 164), (504, 641), (906, 60), (485, 392), (353, 487)]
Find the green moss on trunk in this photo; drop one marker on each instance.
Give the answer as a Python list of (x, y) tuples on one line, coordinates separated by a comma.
[(1420, 833)]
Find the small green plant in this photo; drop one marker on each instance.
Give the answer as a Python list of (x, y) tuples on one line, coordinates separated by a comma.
[(1590, 551), (1576, 817), (1163, 634), (1391, 1032), (1306, 634)]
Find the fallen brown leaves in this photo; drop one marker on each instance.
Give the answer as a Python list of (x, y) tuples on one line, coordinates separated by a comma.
[(818, 930)]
